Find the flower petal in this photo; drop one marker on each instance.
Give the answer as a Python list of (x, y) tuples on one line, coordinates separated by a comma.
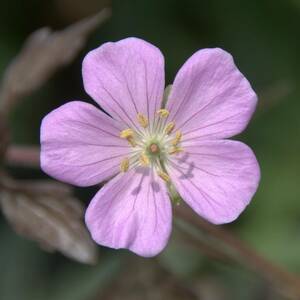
[(132, 211), (125, 78), (210, 97), (216, 178), (81, 145)]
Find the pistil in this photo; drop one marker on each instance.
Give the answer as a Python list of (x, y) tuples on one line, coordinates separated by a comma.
[(154, 148)]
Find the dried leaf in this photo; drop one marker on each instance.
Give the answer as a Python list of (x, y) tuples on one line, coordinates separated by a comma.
[(47, 213), (43, 53)]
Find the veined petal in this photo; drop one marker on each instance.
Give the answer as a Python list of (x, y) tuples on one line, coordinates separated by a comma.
[(81, 145), (132, 211), (210, 98), (216, 178), (125, 78)]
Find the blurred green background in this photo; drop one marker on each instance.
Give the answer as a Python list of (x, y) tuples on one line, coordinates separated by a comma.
[(264, 38)]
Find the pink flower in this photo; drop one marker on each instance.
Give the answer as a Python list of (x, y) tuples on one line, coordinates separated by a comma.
[(146, 149)]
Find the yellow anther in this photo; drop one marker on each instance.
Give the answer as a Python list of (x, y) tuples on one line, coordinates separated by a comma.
[(175, 150), (144, 160), (164, 176), (177, 139), (124, 165), (131, 141), (164, 113), (170, 126), (126, 133), (143, 120)]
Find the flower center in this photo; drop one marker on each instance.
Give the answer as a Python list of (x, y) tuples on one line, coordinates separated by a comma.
[(153, 148), (152, 143)]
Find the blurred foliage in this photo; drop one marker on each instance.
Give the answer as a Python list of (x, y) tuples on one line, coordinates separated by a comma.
[(263, 37)]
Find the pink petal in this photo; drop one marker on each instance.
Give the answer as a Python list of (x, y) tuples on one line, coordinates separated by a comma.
[(132, 211), (81, 145), (125, 78), (210, 97), (216, 178)]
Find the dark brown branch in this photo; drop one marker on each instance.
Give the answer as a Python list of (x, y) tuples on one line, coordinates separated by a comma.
[(286, 282), (211, 251), (23, 156), (4, 136)]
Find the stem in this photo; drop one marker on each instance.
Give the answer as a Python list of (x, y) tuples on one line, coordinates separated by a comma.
[(286, 282)]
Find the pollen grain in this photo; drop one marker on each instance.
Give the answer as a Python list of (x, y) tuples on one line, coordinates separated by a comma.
[(164, 176), (143, 120), (144, 160), (164, 113), (175, 150), (131, 141), (126, 133), (169, 128), (124, 165), (177, 139)]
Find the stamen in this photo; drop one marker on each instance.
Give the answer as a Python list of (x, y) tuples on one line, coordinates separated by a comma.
[(144, 160), (127, 133), (175, 150), (143, 120), (177, 139), (131, 141), (124, 165), (164, 176), (164, 113), (170, 126)]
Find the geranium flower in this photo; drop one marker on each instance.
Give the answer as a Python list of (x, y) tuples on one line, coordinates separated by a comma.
[(147, 149)]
